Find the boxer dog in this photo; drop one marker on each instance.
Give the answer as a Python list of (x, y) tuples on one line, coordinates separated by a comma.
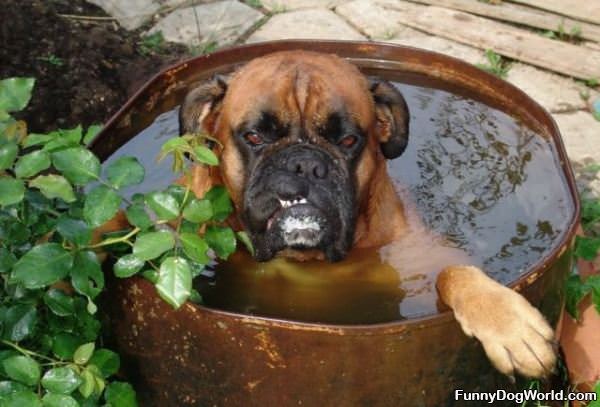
[(304, 141)]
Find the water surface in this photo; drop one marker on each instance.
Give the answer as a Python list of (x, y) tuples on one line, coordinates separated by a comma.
[(491, 186)]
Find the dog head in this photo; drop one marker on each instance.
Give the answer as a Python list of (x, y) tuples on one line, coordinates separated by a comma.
[(303, 134)]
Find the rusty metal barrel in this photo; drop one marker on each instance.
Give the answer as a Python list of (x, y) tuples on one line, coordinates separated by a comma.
[(199, 356)]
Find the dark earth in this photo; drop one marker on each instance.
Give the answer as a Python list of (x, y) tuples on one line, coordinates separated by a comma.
[(84, 68)]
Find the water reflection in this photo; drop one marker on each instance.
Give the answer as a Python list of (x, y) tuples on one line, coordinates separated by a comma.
[(483, 180)]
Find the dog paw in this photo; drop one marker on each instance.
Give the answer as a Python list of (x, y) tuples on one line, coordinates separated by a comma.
[(514, 334)]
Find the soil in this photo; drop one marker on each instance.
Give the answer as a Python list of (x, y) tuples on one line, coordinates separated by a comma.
[(85, 69)]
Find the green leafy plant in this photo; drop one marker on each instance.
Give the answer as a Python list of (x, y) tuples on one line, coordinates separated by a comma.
[(152, 43), (561, 33), (54, 193), (596, 403), (592, 82), (203, 48), (254, 3), (587, 247), (496, 64)]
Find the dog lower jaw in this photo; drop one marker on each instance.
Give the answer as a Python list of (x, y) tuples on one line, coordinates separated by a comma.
[(265, 250)]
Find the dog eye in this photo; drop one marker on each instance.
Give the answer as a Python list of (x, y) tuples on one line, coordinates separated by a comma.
[(348, 141), (253, 138)]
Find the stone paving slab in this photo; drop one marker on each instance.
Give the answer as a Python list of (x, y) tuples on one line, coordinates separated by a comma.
[(581, 134), (222, 22), (288, 5), (131, 13), (556, 93), (307, 24), (443, 46), (371, 19)]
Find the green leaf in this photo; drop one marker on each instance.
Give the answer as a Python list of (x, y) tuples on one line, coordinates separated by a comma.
[(119, 394), (15, 93), (59, 302), (59, 400), (176, 144), (596, 402), (174, 281), (25, 398), (89, 383), (101, 204), (137, 216), (125, 171), (91, 306), (54, 186), (590, 212), (198, 210), (195, 297), (43, 265), (91, 133), (84, 353), (221, 203), (99, 383), (34, 139), (77, 164), (586, 247), (32, 163), (9, 387), (74, 230), (22, 369), (12, 191), (150, 275), (127, 266), (7, 260), (19, 322), (8, 153), (86, 276), (205, 155), (221, 240), (245, 239), (61, 380), (165, 206), (195, 247), (593, 283), (575, 291), (64, 345), (106, 361), (149, 246)]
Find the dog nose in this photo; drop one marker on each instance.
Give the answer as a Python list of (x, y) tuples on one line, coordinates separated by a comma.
[(308, 167)]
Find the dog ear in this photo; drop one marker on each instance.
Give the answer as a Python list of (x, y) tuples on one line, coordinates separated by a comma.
[(392, 118), (202, 105)]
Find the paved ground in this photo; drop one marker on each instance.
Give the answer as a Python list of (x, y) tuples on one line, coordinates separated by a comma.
[(219, 23)]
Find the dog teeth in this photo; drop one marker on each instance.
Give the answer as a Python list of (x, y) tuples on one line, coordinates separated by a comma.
[(287, 204)]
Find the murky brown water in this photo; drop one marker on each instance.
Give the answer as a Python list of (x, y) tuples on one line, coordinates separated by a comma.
[(489, 185)]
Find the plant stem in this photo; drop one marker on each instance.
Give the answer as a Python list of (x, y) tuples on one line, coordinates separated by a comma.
[(114, 240), (28, 352)]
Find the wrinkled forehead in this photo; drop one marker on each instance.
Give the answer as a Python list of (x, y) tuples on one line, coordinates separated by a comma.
[(299, 88)]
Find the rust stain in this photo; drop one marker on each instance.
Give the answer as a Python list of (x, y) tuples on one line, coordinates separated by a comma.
[(266, 345), (251, 385), (172, 72), (135, 290)]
